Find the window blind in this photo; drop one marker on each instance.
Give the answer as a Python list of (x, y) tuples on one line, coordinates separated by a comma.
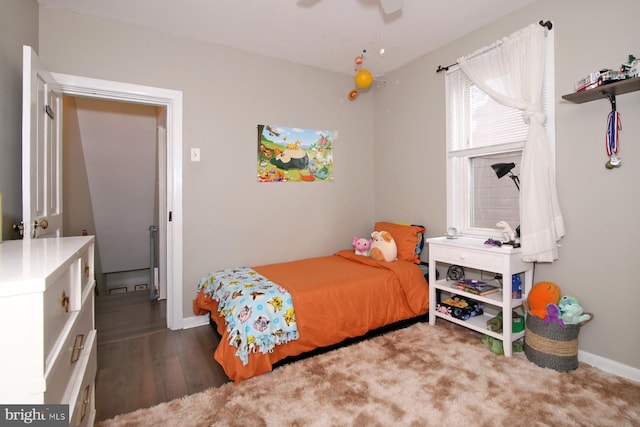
[(475, 120)]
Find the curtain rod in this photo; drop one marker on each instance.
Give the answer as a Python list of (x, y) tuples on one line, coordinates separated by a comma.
[(546, 24)]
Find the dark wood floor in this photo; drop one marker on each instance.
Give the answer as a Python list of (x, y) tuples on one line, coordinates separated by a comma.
[(142, 363)]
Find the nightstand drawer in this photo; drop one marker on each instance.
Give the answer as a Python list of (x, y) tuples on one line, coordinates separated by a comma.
[(468, 257), (66, 361)]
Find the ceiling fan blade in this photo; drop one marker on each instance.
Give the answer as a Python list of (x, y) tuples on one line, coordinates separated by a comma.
[(391, 6)]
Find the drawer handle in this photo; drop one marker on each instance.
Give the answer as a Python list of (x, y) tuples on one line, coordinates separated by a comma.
[(463, 256), (78, 346), (86, 270), (64, 301), (86, 398)]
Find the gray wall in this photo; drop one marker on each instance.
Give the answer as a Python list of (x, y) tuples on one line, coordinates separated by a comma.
[(599, 255), (230, 218), (18, 26), (226, 93)]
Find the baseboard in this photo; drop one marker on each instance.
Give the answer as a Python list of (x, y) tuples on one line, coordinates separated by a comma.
[(195, 321), (610, 366)]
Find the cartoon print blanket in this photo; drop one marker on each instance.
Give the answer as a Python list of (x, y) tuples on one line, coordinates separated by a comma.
[(259, 313)]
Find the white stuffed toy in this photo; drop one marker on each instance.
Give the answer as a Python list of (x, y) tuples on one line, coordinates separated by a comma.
[(508, 232), (383, 247)]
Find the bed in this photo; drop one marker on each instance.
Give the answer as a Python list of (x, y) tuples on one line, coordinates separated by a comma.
[(333, 298)]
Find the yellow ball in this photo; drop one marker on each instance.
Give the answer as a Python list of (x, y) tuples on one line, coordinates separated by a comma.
[(363, 78)]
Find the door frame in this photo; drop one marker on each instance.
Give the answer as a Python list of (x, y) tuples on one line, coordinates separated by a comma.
[(171, 100)]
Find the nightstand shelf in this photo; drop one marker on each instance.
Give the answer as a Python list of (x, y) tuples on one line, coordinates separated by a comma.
[(474, 254)]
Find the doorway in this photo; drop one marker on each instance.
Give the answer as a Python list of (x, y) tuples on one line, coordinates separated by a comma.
[(112, 172), (170, 206)]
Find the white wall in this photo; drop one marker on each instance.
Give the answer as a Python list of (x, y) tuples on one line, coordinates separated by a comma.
[(118, 149), (599, 255), (109, 172), (230, 218)]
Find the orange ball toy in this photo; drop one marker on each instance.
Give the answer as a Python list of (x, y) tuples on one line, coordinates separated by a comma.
[(541, 294)]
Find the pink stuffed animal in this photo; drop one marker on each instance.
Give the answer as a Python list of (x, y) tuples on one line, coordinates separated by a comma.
[(362, 246)]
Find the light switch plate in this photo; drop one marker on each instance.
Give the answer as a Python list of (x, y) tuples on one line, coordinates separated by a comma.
[(195, 154)]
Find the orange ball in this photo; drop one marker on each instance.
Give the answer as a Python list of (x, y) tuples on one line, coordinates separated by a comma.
[(541, 294), (364, 78)]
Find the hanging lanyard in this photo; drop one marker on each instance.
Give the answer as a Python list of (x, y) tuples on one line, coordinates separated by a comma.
[(614, 125)]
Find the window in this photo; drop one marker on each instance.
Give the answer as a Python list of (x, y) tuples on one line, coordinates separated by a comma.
[(481, 133)]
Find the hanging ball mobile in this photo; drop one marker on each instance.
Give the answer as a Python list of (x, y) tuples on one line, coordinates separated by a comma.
[(364, 78)]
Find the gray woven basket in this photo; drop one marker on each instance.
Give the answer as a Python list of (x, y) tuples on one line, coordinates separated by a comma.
[(549, 345)]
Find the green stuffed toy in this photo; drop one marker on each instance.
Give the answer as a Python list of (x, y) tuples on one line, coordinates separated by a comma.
[(495, 345), (517, 323), (495, 324)]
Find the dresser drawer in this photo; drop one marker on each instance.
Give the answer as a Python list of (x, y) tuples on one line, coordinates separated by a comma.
[(468, 257), (61, 298), (86, 267), (67, 359), (81, 392)]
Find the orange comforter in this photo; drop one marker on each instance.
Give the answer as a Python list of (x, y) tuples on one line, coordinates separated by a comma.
[(335, 297)]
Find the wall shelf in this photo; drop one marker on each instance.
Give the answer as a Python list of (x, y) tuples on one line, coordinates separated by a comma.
[(604, 91)]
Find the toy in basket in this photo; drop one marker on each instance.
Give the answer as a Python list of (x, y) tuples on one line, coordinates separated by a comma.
[(552, 342)]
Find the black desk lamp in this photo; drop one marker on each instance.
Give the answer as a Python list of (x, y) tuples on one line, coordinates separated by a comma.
[(501, 169)]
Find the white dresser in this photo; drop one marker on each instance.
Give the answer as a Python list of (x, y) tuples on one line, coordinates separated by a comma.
[(47, 325)]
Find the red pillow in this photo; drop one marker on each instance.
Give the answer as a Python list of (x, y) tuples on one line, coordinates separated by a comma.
[(407, 238)]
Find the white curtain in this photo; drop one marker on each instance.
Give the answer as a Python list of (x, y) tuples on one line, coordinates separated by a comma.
[(511, 71)]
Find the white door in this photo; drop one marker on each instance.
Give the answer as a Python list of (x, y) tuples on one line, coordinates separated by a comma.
[(41, 149), (161, 139)]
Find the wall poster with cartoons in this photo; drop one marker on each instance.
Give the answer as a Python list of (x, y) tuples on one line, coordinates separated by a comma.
[(294, 154)]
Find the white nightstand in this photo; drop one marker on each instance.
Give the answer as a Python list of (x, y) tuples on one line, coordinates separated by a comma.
[(472, 253)]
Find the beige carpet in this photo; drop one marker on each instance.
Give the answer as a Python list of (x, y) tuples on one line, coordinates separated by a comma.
[(418, 376)]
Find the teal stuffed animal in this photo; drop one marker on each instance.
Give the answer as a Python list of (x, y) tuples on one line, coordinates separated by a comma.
[(572, 312)]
